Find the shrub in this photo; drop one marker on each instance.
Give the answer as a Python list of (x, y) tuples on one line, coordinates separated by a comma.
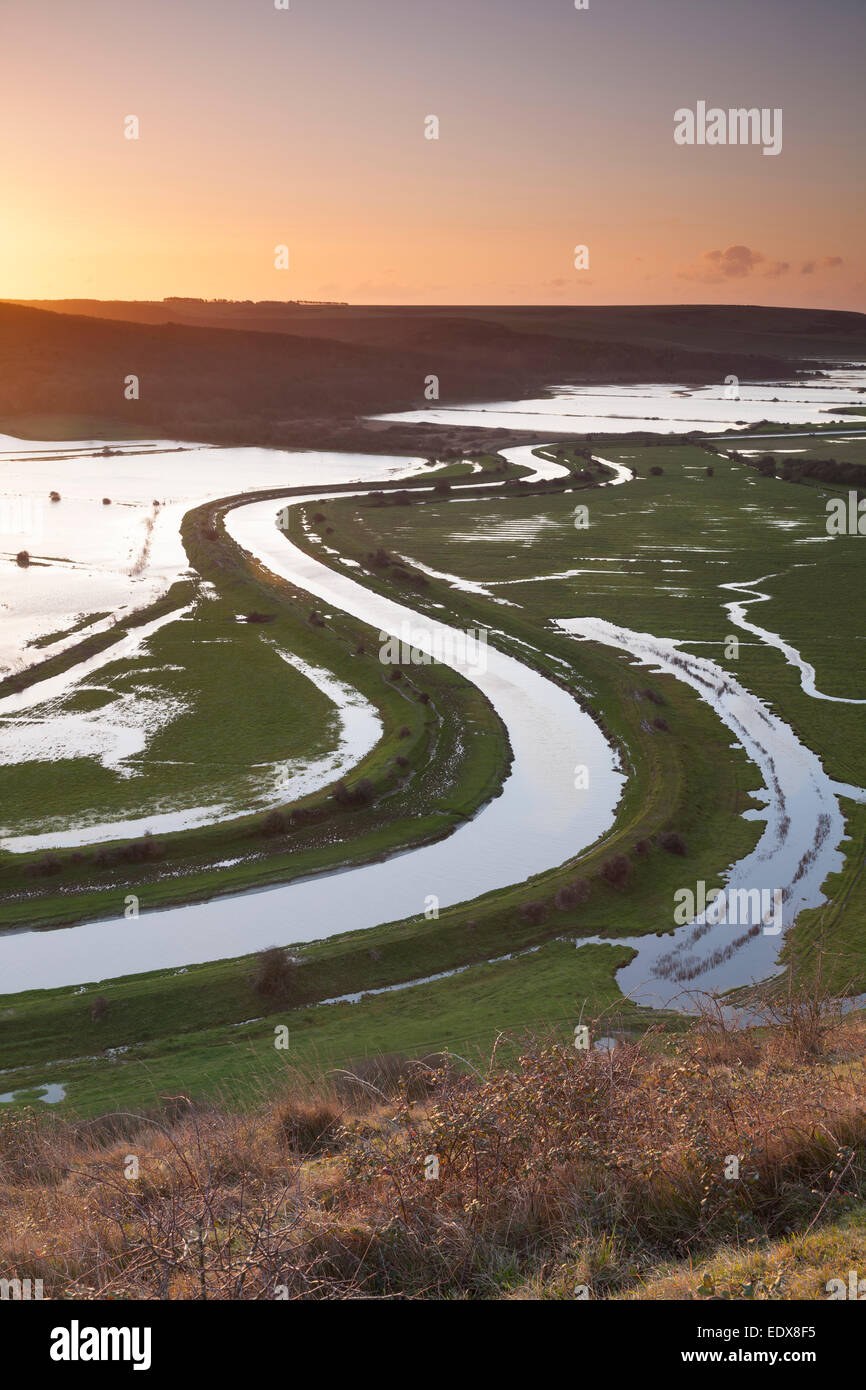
[(316, 619), (55, 496), (22, 559), (142, 851), (275, 974), (617, 871), (405, 731), (364, 792), (571, 895), (656, 470), (653, 696), (360, 795), (673, 843), (274, 823), (534, 912), (256, 617), (643, 847), (661, 724), (106, 501), (391, 1074), (49, 864), (99, 1009)]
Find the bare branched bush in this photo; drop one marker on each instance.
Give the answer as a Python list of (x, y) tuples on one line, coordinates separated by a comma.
[(617, 871), (274, 976)]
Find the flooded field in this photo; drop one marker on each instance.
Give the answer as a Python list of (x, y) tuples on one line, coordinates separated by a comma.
[(537, 823), (111, 541), (664, 409)]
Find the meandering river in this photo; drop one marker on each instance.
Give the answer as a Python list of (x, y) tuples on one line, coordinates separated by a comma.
[(540, 820)]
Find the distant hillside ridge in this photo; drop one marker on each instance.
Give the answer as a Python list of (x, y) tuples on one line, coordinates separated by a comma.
[(213, 382)]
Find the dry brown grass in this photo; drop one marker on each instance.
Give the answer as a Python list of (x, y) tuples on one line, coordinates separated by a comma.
[(612, 1164)]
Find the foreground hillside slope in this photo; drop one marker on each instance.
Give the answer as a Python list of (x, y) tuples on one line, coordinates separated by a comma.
[(729, 1164)]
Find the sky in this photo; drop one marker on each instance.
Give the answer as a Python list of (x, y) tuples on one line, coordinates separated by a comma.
[(306, 128)]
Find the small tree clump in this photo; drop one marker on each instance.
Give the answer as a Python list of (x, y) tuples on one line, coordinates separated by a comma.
[(143, 851), (571, 895), (275, 974), (534, 912), (99, 1009), (22, 559), (673, 843), (49, 864), (274, 823), (365, 792), (360, 795), (617, 871)]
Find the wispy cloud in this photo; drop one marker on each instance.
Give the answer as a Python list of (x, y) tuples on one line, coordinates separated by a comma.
[(825, 263), (742, 262)]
